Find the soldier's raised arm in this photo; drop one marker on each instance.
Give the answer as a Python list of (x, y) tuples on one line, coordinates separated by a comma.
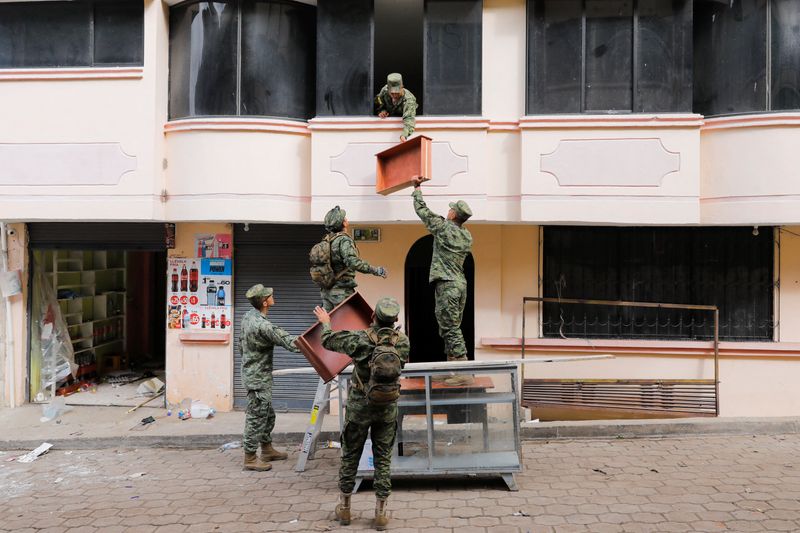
[(432, 221), (280, 337)]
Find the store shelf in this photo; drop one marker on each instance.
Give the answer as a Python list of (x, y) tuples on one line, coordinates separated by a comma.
[(108, 343)]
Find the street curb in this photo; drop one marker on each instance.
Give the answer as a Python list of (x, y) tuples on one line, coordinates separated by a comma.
[(605, 429)]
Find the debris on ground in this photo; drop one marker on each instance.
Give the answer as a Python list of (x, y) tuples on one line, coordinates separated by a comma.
[(150, 387), (520, 513), (137, 474), (333, 444), (201, 410), (32, 455), (54, 409), (599, 471), (230, 445)]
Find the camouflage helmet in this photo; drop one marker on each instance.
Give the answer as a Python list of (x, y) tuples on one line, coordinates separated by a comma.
[(334, 219), (387, 309), (257, 294), (394, 82), (463, 212)]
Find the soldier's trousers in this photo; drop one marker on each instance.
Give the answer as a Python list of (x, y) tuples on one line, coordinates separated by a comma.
[(334, 296), (259, 419), (381, 424), (451, 297)]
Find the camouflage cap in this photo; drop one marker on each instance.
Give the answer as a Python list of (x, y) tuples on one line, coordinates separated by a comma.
[(387, 309), (394, 82), (462, 209), (257, 294), (334, 219)]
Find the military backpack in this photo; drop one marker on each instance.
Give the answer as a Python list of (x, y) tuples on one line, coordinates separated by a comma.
[(321, 270), (385, 367)]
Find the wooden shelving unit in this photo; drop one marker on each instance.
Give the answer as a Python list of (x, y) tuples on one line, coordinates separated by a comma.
[(91, 289)]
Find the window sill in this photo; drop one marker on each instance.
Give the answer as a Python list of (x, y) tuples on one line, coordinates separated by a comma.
[(82, 73), (755, 120), (636, 347), (424, 123), (270, 125), (635, 120)]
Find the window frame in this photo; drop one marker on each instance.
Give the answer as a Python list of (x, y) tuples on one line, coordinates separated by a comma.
[(635, 98), (238, 61), (92, 44)]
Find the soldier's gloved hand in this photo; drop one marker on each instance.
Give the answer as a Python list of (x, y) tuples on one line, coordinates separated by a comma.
[(383, 114), (380, 271)]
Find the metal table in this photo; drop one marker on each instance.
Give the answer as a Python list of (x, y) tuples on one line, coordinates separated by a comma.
[(453, 430)]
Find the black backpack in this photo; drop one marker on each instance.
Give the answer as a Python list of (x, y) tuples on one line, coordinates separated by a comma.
[(385, 367), (321, 262)]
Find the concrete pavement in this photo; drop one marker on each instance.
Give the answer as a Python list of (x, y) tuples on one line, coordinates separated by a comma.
[(697, 483)]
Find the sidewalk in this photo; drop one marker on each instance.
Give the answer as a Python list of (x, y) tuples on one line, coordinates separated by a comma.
[(93, 427)]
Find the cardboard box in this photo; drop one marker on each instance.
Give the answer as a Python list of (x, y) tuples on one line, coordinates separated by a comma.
[(353, 313), (400, 164)]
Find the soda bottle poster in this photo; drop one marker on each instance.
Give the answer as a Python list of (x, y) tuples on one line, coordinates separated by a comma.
[(213, 245), (199, 294)]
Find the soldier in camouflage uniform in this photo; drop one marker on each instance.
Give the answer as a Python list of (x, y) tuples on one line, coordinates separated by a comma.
[(363, 417), (451, 244), (258, 339), (344, 260), (394, 100)]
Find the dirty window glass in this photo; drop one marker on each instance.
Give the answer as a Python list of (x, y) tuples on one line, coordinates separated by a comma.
[(785, 54), (118, 33), (278, 51), (609, 55), (730, 58)]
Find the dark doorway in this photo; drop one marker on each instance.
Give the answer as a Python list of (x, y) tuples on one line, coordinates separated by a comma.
[(421, 326), (398, 44)]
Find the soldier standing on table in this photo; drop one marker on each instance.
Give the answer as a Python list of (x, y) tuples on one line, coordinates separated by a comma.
[(451, 244), (343, 260), (394, 100), (258, 339), (371, 403)]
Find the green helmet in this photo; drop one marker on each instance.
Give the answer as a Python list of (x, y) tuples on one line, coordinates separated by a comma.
[(387, 309), (334, 219), (462, 209)]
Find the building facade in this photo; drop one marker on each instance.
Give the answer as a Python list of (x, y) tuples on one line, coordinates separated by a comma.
[(636, 150)]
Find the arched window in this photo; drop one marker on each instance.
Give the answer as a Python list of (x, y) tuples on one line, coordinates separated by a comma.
[(421, 325), (242, 57)]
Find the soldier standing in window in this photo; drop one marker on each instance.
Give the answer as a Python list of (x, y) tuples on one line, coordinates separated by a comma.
[(363, 416), (451, 244), (258, 339), (345, 260), (394, 100)]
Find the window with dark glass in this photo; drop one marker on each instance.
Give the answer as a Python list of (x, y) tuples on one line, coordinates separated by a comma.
[(71, 34), (434, 44), (746, 56), (598, 56), (242, 57), (731, 268)]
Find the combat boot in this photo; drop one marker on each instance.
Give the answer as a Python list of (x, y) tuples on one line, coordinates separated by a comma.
[(381, 518), (268, 453), (252, 462), (343, 509), (458, 380)]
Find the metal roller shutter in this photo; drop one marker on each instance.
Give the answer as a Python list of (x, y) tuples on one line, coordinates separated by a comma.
[(98, 235), (277, 256)]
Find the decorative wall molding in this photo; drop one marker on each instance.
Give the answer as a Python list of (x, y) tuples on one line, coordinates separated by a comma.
[(760, 120), (678, 120), (357, 163), (84, 73), (237, 124), (610, 162), (374, 123), (40, 164)]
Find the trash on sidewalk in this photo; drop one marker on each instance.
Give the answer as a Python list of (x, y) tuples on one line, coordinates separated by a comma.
[(54, 409), (201, 410), (520, 513), (32, 455), (58, 480), (332, 444), (144, 424), (230, 445), (137, 474), (150, 387)]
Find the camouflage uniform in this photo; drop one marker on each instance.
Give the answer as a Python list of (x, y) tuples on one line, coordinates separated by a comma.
[(258, 339), (405, 107), (361, 417), (451, 244), (345, 261)]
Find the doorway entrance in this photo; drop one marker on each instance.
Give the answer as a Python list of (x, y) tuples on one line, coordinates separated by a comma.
[(421, 326)]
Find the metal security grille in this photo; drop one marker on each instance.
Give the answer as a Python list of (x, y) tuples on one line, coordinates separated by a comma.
[(277, 256), (98, 235), (730, 268)]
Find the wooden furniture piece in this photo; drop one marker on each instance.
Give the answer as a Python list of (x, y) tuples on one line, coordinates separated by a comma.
[(353, 313), (400, 164)]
